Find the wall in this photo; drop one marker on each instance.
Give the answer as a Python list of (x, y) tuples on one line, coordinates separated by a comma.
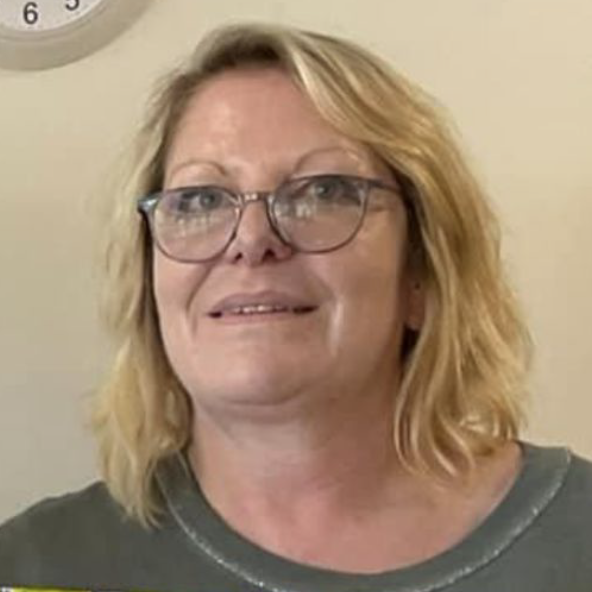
[(517, 77)]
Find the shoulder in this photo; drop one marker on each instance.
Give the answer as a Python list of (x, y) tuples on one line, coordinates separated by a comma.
[(563, 475), (50, 515), (576, 489), (562, 482), (560, 534), (58, 532), (93, 493), (581, 471)]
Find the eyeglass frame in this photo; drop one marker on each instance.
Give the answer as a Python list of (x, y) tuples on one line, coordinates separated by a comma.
[(146, 205)]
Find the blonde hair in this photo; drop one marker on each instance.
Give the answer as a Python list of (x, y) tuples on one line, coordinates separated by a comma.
[(462, 389)]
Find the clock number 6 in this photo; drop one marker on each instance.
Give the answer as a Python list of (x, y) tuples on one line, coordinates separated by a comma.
[(72, 5), (31, 13)]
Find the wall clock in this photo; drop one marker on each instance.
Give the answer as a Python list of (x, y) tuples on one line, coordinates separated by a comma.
[(47, 33)]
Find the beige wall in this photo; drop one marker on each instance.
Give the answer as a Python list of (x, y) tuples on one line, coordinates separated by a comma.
[(516, 75)]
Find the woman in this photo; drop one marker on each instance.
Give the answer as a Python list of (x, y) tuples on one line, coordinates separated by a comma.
[(320, 368)]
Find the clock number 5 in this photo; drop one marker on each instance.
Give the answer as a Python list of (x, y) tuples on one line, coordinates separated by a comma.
[(72, 5), (31, 13)]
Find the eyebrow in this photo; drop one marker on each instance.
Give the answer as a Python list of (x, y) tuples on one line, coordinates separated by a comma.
[(196, 162), (299, 163), (344, 151)]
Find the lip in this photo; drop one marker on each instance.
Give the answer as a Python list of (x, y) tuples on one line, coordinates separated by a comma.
[(295, 304)]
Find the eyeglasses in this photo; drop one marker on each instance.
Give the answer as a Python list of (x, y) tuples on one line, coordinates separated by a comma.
[(313, 214)]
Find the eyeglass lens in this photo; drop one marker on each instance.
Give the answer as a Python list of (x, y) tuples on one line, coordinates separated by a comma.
[(311, 214)]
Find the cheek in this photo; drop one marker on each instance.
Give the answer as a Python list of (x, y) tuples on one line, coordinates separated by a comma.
[(374, 301), (368, 307), (379, 282), (176, 291), (370, 275)]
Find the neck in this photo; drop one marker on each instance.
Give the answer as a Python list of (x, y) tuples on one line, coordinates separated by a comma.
[(331, 456), (291, 482)]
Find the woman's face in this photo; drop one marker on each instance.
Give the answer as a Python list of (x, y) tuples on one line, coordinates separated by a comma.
[(251, 130)]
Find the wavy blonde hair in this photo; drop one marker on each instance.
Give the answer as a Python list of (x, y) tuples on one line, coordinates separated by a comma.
[(462, 389)]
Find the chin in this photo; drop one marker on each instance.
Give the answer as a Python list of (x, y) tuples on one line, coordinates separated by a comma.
[(247, 387)]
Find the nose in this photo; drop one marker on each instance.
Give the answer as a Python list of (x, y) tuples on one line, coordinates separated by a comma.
[(255, 240)]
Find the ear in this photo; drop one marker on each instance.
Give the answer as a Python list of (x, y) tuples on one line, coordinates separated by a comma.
[(415, 303)]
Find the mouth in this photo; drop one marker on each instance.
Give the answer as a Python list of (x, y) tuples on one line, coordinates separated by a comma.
[(261, 309), (265, 305)]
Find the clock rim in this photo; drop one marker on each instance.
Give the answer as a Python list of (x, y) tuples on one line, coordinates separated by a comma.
[(38, 50)]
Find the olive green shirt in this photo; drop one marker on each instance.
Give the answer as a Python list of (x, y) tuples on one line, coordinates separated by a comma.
[(538, 539)]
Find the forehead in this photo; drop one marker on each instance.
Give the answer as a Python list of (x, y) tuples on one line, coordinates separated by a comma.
[(255, 117)]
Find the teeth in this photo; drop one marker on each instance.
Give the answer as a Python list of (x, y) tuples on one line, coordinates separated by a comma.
[(257, 309), (254, 309)]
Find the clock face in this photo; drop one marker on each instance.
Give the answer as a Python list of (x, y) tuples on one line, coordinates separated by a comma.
[(43, 15), (48, 33)]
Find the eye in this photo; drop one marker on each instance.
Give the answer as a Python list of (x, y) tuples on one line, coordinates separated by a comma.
[(337, 190), (199, 200)]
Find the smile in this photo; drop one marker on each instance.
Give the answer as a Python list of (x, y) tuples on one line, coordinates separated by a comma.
[(258, 309), (261, 305)]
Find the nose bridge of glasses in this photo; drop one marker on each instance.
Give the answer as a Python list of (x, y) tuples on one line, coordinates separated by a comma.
[(255, 231), (252, 197), (249, 197)]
